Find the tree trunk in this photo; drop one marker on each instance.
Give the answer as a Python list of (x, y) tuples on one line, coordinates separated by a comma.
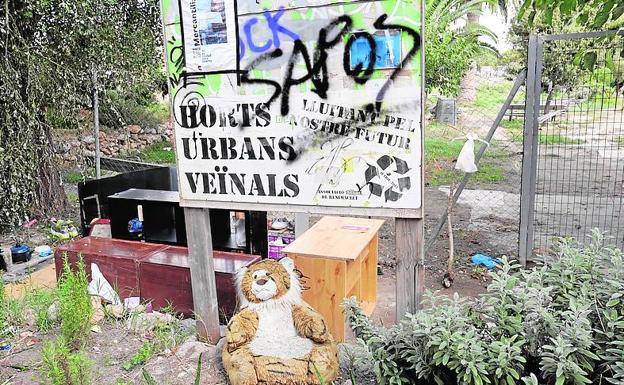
[(468, 85)]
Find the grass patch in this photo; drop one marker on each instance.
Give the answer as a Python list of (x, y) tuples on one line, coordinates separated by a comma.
[(442, 149), (558, 139), (72, 177), (156, 153), (39, 301), (491, 95), (440, 154), (515, 127), (488, 173)]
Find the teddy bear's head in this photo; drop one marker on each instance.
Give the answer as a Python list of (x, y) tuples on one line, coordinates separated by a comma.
[(268, 280)]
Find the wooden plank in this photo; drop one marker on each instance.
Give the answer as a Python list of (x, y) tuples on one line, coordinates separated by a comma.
[(203, 279), (410, 265), (318, 210), (325, 289), (369, 273), (336, 238), (354, 272)]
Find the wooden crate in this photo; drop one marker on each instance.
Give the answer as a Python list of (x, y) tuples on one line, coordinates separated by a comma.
[(338, 257)]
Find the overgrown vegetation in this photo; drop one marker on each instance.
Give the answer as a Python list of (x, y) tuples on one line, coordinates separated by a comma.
[(561, 322), (55, 53), (64, 360), (75, 309)]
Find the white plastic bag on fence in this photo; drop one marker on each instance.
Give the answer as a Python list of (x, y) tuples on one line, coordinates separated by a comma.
[(466, 159), (99, 286)]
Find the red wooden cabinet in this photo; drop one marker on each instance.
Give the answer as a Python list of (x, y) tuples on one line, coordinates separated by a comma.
[(166, 279), (156, 273)]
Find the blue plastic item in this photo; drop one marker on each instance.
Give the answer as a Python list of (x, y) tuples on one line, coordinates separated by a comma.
[(485, 260), (135, 226), (43, 251), (20, 253), (20, 249)]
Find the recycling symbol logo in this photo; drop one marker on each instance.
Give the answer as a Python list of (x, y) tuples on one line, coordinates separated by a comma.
[(388, 178)]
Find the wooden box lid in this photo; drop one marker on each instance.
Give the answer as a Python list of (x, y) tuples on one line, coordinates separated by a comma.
[(341, 238)]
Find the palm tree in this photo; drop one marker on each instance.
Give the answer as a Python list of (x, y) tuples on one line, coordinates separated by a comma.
[(451, 46), (468, 86)]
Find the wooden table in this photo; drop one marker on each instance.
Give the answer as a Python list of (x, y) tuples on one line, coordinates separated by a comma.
[(338, 258)]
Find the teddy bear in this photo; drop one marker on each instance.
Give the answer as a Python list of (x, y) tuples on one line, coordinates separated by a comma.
[(277, 338)]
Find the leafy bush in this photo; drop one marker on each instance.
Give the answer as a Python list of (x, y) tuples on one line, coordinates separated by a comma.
[(75, 304), (64, 367), (561, 322)]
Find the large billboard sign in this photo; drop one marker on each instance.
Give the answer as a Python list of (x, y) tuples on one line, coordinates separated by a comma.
[(313, 104)]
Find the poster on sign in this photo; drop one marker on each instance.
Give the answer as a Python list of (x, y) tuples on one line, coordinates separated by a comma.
[(323, 113), (209, 34)]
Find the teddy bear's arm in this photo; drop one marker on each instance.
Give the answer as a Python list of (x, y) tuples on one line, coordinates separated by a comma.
[(309, 323), (241, 329)]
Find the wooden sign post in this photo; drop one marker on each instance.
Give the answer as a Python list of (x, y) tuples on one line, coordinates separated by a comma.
[(314, 108)]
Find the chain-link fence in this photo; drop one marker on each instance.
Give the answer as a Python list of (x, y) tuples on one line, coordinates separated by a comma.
[(579, 170), (132, 124), (485, 218)]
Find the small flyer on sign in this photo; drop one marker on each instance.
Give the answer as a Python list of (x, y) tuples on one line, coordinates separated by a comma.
[(209, 29)]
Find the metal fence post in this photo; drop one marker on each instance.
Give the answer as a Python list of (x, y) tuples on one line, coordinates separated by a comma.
[(530, 147), (96, 122)]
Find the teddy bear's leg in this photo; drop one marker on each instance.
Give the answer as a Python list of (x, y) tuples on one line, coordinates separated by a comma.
[(240, 367), (324, 359)]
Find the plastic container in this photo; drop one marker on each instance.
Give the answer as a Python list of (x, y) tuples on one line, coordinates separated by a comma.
[(20, 253)]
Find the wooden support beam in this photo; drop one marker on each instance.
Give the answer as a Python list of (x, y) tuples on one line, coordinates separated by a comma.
[(203, 280), (410, 270)]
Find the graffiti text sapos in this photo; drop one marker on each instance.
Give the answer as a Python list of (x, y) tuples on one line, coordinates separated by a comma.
[(317, 67)]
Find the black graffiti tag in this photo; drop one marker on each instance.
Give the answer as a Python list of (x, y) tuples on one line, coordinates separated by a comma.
[(316, 67)]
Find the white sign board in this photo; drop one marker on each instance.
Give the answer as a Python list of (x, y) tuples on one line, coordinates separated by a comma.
[(321, 111)]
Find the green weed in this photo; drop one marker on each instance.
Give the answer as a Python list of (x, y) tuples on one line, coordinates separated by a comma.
[(64, 367), (11, 312), (75, 304), (145, 352)]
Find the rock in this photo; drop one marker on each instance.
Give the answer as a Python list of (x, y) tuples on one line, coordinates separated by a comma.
[(117, 311), (189, 352), (30, 317), (347, 382), (188, 324), (142, 323), (137, 309), (88, 139), (53, 312), (134, 129), (98, 310)]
